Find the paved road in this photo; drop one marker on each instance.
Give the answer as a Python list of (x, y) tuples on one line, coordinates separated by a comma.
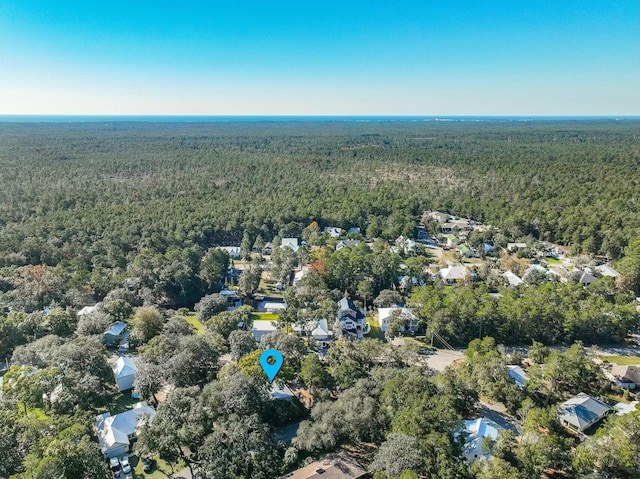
[(496, 414), (443, 358), (287, 433)]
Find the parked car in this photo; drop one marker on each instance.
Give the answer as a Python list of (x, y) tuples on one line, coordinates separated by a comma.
[(148, 464), (126, 467), (114, 464)]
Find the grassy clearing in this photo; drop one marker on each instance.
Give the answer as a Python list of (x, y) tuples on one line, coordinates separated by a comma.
[(550, 260), (375, 331), (192, 319), (621, 360), (161, 470), (121, 402), (264, 317)]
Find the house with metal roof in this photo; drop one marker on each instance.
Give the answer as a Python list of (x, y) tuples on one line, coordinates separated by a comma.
[(116, 432), (114, 333), (124, 371), (477, 432), (581, 412), (512, 278), (518, 375)]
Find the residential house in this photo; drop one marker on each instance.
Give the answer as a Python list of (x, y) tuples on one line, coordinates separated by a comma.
[(299, 276), (290, 243), (586, 278), (279, 393), (234, 251), (623, 408), (350, 320), (477, 432), (452, 240), (113, 335), (439, 216), (317, 330), (333, 231), (88, 310), (534, 269), (124, 371), (452, 274), (465, 251), (560, 272), (626, 377), (488, 248), (336, 466), (274, 307), (512, 278), (346, 243), (581, 412), (406, 245), (321, 335), (262, 327), (607, 270), (233, 300), (385, 314), (116, 432), (354, 230), (518, 375), (405, 282)]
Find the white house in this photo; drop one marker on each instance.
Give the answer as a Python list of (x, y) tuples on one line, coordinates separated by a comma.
[(607, 270), (346, 243), (262, 327), (283, 393), (516, 246), (88, 310), (272, 307), (124, 371), (512, 278), (384, 316), (234, 251), (477, 431), (451, 274), (116, 432), (290, 243), (333, 231)]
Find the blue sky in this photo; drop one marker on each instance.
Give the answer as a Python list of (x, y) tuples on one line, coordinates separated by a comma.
[(237, 57)]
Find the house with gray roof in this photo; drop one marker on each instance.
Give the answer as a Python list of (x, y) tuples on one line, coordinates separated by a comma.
[(581, 412), (451, 274), (607, 270)]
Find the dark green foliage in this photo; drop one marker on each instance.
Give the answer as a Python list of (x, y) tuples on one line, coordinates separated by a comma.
[(549, 313)]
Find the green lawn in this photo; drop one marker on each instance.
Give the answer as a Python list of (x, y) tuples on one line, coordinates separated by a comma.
[(375, 331), (264, 317), (192, 319), (550, 260), (162, 469), (121, 402), (621, 360)]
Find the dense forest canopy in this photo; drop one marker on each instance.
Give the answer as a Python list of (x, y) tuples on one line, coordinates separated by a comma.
[(89, 198)]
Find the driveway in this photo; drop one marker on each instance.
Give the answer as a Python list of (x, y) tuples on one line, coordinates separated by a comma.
[(496, 414), (442, 358)]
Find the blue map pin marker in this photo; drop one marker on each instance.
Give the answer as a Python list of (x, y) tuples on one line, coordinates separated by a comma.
[(271, 369)]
